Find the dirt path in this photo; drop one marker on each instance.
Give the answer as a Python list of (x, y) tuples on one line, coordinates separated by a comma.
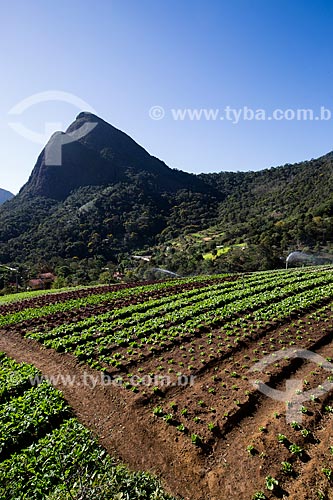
[(108, 413)]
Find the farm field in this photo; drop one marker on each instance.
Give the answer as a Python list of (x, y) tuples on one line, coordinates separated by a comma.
[(163, 375)]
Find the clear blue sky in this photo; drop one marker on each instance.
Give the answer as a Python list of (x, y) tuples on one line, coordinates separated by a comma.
[(125, 56)]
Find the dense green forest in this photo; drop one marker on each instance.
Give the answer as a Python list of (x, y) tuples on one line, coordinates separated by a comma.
[(110, 199)]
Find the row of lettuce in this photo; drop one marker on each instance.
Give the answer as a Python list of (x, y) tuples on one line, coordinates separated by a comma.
[(26, 310), (45, 453), (120, 335), (95, 298)]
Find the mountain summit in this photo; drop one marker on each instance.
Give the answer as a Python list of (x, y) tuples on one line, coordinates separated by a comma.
[(94, 153), (95, 191)]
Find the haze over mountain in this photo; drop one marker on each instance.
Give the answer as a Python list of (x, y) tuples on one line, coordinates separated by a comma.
[(5, 195), (109, 197)]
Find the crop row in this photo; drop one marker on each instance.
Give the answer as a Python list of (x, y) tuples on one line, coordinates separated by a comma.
[(96, 298), (27, 313), (49, 297), (150, 308), (144, 324), (266, 304), (298, 443), (30, 415), (14, 377), (33, 299), (45, 453), (229, 339), (67, 464)]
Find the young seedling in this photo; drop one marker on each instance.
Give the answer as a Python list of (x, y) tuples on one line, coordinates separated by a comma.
[(287, 468), (306, 433), (196, 440), (168, 418), (212, 427), (156, 390), (158, 411), (295, 449), (259, 495), (251, 449), (282, 438), (328, 473), (271, 483)]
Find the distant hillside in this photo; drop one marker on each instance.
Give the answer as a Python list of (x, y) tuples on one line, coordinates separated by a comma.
[(5, 195), (110, 198), (262, 217), (280, 206)]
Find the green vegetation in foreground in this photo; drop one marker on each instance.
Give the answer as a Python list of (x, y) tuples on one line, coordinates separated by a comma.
[(67, 464), (63, 461)]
